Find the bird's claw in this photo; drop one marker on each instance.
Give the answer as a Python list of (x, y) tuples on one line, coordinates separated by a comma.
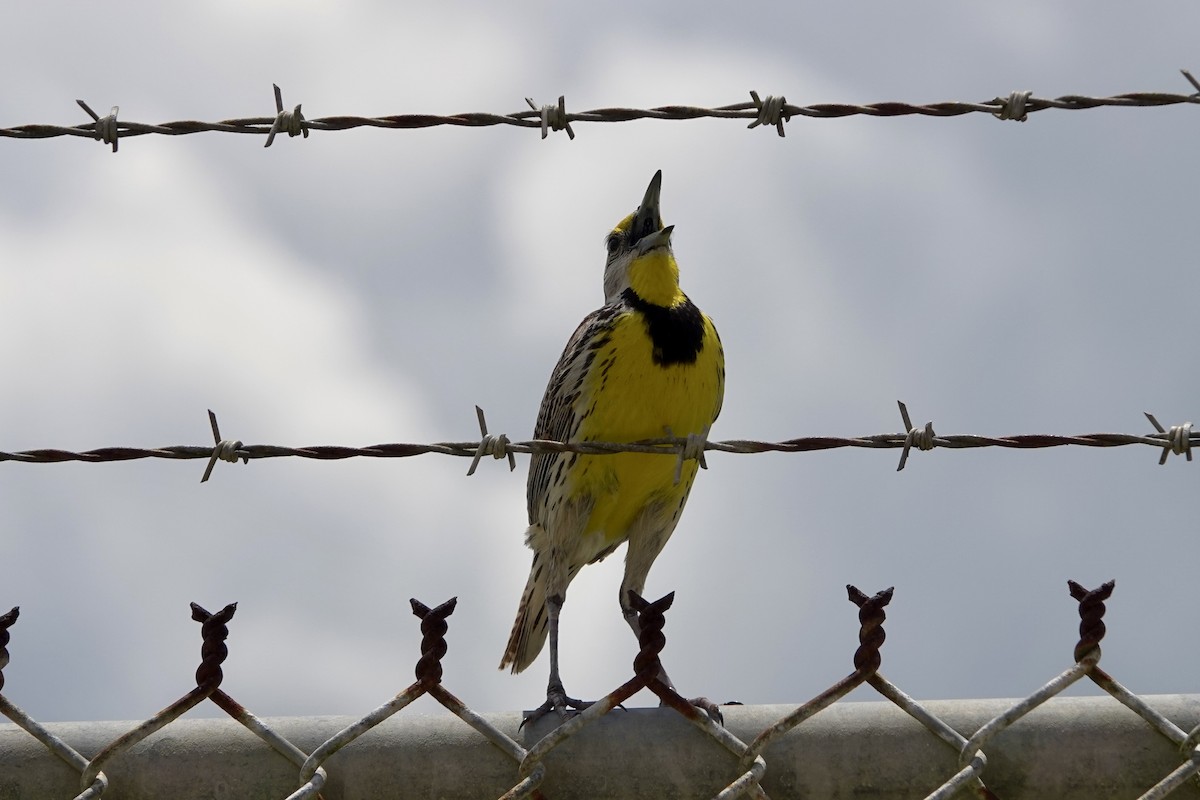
[(713, 710), (558, 702)]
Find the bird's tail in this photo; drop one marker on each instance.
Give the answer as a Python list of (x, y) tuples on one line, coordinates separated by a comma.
[(529, 631)]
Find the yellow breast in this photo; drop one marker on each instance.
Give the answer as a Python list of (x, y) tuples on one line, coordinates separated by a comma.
[(627, 397)]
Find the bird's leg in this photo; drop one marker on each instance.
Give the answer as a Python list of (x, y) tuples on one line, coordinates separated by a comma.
[(713, 710), (554, 689), (557, 699)]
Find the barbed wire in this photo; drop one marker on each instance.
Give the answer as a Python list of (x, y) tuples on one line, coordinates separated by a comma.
[(532, 763), (770, 112), (1177, 440)]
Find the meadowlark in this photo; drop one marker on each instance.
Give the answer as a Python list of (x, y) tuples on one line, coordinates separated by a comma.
[(646, 364)]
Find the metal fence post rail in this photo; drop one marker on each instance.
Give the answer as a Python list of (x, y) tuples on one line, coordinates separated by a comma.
[(1043, 745), (1071, 748)]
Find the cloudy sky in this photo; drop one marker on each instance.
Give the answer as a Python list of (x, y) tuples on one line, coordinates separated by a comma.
[(374, 286)]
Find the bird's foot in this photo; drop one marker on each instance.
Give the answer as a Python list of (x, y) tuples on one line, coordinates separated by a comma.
[(703, 703), (558, 702), (709, 707), (712, 709)]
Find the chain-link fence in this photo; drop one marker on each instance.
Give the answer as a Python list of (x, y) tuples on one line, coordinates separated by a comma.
[(1067, 748)]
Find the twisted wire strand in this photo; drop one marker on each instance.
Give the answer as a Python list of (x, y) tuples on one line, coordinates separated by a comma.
[(665, 445), (769, 113)]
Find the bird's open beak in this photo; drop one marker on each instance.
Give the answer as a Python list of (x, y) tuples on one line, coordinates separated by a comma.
[(648, 220), (657, 239)]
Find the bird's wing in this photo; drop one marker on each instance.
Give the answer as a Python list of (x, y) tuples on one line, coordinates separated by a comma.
[(558, 418), (720, 369)]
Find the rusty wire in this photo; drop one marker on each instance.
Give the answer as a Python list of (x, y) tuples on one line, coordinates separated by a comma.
[(770, 112), (531, 768), (1178, 439)]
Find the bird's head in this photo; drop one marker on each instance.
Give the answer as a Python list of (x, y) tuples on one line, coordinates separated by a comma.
[(639, 254)]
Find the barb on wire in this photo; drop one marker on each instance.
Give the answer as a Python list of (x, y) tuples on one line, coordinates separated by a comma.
[(770, 112), (290, 122), (1192, 81), (1178, 439), (923, 439), (494, 446), (1014, 106), (554, 118), (692, 449), (106, 128), (774, 110), (224, 449)]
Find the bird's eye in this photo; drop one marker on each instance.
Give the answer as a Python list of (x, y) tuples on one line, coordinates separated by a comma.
[(613, 243)]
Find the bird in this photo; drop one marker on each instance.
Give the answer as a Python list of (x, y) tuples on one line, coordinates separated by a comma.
[(646, 364)]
